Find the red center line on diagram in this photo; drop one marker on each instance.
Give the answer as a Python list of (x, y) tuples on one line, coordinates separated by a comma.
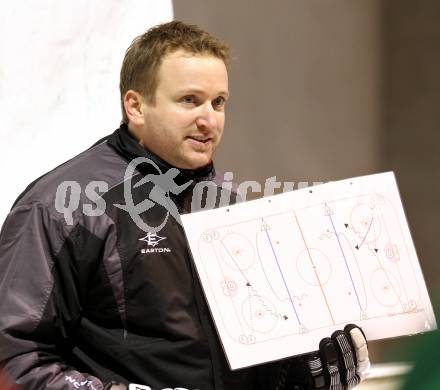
[(314, 268)]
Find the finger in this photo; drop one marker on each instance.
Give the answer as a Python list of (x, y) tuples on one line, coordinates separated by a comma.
[(347, 360), (360, 347), (314, 365), (329, 357)]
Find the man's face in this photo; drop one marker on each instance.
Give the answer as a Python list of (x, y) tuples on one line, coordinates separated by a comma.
[(184, 123)]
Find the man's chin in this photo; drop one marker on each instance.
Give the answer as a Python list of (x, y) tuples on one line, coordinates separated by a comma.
[(195, 163)]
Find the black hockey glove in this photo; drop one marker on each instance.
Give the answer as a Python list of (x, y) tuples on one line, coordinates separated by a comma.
[(342, 361)]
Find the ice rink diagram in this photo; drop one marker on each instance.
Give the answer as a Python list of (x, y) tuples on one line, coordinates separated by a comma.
[(284, 272)]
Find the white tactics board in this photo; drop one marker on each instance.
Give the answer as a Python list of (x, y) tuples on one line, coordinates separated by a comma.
[(283, 272)]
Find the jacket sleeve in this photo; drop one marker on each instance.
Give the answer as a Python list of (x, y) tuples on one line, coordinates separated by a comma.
[(290, 373), (40, 300)]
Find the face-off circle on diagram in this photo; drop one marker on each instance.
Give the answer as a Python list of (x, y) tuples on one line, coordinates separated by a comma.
[(385, 287), (259, 314), (365, 223), (237, 251)]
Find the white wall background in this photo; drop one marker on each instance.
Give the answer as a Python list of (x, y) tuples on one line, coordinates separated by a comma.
[(59, 80)]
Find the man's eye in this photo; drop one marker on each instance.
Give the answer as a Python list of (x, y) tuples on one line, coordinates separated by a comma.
[(219, 102), (188, 99)]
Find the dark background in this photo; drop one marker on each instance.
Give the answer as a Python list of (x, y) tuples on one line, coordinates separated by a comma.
[(326, 90)]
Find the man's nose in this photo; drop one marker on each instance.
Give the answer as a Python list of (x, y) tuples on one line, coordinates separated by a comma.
[(207, 118)]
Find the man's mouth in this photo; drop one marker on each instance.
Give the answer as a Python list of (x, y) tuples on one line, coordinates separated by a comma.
[(200, 138)]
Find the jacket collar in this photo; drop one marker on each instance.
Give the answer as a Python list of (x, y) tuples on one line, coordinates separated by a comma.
[(127, 146)]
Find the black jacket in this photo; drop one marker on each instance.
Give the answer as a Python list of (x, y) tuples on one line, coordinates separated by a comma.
[(85, 300)]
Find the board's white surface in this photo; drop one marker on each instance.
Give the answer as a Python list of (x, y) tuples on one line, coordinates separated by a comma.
[(282, 272), (59, 79)]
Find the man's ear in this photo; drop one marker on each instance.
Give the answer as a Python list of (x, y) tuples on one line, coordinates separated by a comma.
[(133, 107)]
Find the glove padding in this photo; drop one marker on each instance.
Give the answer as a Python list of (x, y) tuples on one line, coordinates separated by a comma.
[(342, 361)]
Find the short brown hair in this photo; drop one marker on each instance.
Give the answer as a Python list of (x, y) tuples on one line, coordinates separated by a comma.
[(143, 57)]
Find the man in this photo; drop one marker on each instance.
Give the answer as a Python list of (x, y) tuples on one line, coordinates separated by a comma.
[(93, 300)]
